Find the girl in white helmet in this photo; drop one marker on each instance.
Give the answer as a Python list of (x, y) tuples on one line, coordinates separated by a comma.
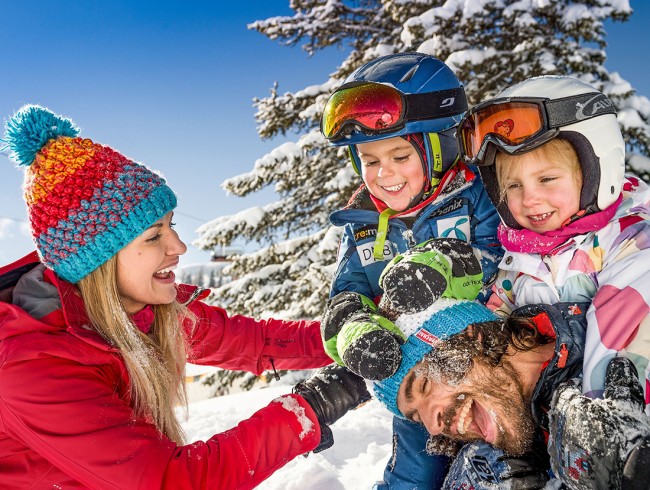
[(574, 227)]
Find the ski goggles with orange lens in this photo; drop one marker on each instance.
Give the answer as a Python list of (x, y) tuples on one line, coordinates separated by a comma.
[(519, 124), (376, 108)]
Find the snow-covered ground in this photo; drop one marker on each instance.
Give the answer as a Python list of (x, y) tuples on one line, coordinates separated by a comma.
[(361, 441)]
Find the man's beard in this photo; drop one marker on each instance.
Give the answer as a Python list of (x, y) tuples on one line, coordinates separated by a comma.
[(497, 389)]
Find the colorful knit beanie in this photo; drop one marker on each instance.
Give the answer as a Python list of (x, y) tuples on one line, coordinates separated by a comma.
[(424, 330), (85, 201)]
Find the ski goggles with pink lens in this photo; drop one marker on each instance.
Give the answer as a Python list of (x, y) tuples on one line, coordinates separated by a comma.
[(519, 124), (377, 108)]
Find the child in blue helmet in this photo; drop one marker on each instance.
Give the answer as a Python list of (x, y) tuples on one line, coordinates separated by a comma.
[(397, 116)]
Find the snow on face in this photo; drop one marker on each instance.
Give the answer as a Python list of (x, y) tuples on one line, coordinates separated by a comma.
[(465, 399)]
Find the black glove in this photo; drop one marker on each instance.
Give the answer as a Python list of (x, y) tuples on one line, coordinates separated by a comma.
[(636, 472), (593, 442), (479, 465), (331, 392), (440, 267)]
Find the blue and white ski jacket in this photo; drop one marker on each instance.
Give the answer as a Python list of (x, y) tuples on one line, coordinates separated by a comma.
[(459, 208)]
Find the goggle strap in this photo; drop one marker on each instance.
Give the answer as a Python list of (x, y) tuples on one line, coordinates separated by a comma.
[(571, 110), (435, 105), (436, 159)]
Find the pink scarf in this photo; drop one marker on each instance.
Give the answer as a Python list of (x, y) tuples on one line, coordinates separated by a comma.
[(527, 241)]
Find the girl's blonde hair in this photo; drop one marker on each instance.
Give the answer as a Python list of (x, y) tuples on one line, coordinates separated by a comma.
[(155, 362), (557, 151)]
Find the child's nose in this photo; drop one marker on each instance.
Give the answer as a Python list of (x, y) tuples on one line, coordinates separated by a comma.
[(385, 170), (530, 195)]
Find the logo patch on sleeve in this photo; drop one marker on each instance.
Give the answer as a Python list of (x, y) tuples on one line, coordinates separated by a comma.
[(366, 256), (365, 233), (455, 227)]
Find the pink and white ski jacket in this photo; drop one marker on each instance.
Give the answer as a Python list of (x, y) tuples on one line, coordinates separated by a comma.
[(610, 267)]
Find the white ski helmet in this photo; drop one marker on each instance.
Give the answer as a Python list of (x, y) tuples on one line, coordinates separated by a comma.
[(572, 110)]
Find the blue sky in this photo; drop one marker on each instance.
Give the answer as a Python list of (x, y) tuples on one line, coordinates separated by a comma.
[(171, 83)]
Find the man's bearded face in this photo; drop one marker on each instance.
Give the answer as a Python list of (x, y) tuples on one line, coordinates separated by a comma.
[(467, 403)]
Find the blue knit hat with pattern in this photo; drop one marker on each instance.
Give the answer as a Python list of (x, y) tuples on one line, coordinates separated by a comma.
[(424, 331), (85, 201)]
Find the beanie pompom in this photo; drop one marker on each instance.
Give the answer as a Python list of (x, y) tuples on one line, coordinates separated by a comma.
[(31, 128)]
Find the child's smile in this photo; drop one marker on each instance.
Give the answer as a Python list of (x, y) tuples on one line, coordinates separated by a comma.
[(392, 171), (394, 188), (540, 195)]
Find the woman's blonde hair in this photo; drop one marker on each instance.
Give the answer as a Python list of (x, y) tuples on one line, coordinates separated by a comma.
[(557, 151), (155, 362)]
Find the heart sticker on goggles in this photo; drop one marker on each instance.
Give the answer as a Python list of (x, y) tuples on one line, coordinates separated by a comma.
[(504, 128)]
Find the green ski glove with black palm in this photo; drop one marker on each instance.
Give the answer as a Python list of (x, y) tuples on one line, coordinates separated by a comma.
[(437, 268), (357, 336), (362, 337)]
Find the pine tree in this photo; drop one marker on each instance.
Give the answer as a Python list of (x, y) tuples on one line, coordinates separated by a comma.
[(490, 44)]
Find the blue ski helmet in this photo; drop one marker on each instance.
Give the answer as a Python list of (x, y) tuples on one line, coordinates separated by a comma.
[(433, 102)]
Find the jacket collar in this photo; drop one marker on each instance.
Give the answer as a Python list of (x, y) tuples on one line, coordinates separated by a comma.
[(568, 324), (72, 312)]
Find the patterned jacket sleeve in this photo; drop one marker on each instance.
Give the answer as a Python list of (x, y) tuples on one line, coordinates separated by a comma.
[(618, 319)]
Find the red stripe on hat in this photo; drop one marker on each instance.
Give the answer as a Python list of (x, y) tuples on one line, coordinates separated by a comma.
[(66, 196)]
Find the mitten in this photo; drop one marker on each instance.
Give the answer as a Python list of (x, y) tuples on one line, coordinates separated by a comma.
[(479, 465), (440, 267), (369, 345), (338, 310), (331, 392), (593, 441)]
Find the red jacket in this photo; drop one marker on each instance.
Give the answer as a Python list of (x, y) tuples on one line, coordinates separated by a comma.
[(64, 418)]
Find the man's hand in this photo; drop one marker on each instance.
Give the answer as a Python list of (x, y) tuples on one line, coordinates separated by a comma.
[(480, 465), (332, 391), (597, 443), (440, 267)]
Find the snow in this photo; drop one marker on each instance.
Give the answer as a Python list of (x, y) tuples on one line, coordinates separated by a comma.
[(362, 441), (292, 405)]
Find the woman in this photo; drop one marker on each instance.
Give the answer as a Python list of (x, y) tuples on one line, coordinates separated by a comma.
[(94, 336)]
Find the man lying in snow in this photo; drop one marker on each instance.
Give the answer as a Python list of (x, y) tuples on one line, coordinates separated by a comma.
[(469, 376)]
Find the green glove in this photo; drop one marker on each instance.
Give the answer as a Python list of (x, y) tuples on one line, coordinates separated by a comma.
[(369, 345), (338, 310), (440, 267)]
